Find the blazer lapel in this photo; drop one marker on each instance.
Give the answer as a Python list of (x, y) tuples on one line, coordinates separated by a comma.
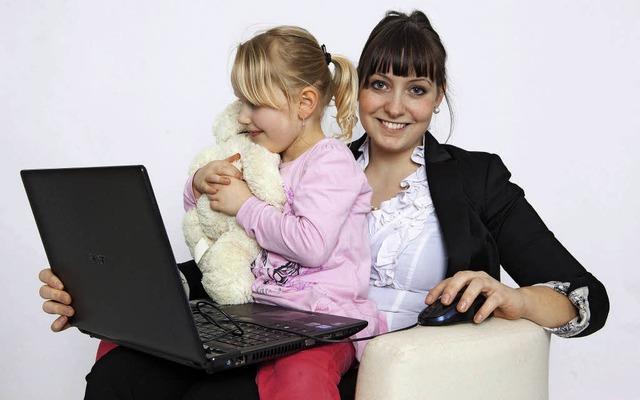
[(449, 201)]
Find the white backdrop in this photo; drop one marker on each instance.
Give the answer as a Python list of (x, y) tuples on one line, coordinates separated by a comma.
[(551, 86)]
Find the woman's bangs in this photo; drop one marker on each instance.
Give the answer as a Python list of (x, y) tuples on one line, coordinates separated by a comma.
[(403, 55)]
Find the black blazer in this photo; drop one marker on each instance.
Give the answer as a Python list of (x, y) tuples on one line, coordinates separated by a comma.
[(487, 222)]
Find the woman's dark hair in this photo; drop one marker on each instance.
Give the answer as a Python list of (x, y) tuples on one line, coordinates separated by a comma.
[(406, 45)]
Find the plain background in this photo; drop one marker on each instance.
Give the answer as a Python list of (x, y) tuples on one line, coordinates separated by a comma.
[(551, 86)]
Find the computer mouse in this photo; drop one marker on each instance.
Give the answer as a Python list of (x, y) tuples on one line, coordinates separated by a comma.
[(439, 314)]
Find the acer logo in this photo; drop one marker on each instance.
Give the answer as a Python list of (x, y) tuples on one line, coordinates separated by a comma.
[(97, 259)]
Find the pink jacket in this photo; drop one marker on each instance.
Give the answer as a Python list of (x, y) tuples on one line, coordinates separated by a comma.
[(316, 253)]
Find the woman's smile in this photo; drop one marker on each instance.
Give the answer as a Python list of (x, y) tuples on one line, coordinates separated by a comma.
[(393, 126)]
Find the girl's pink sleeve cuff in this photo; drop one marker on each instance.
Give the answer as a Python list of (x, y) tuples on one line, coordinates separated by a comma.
[(188, 198)]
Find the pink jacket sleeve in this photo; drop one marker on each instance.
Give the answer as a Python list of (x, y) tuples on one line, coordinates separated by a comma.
[(323, 189), (188, 198)]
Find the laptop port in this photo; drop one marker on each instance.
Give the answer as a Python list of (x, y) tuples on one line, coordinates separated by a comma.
[(241, 360)]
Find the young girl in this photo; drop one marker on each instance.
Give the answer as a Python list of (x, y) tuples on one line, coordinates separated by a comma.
[(316, 251)]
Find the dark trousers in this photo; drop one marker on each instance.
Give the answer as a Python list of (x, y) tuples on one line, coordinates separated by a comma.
[(126, 374)]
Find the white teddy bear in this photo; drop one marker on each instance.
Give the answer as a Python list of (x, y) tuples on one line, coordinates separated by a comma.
[(218, 244)]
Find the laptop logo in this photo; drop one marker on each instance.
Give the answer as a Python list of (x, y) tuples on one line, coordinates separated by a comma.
[(97, 259)]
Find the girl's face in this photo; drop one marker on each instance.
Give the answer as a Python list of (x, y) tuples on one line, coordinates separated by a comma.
[(395, 111), (275, 129)]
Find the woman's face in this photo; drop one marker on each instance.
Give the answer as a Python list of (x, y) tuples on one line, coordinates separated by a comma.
[(395, 111)]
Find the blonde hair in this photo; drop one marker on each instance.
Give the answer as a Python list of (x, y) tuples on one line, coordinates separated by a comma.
[(286, 59)]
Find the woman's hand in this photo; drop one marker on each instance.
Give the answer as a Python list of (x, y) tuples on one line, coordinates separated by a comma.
[(215, 173), (230, 197), (58, 301), (539, 304)]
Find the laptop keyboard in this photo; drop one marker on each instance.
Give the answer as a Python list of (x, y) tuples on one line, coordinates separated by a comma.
[(213, 336)]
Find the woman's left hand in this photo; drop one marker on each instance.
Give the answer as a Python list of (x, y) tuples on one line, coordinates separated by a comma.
[(229, 198), (503, 301)]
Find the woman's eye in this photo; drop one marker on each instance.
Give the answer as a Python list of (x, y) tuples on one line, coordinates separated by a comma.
[(377, 84), (417, 90)]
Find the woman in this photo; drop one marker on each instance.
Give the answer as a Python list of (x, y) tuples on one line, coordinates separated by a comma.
[(442, 218), (470, 214)]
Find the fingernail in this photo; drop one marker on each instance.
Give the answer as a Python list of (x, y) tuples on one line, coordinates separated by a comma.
[(479, 317), (445, 298), (462, 305)]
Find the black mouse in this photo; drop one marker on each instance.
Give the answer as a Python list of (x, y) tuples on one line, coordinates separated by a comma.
[(438, 314)]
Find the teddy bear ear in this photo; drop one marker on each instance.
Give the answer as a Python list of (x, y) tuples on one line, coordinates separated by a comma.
[(226, 123)]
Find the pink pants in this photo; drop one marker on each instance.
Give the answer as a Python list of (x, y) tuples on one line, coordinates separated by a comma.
[(309, 374)]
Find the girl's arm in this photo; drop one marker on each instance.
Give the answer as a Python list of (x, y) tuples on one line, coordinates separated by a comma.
[(324, 194)]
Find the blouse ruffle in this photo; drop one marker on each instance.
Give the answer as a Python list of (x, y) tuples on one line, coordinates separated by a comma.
[(399, 220)]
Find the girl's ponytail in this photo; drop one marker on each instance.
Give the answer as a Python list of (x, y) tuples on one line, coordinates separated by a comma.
[(344, 87)]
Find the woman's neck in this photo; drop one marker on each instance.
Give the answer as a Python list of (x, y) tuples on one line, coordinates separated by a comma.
[(385, 171)]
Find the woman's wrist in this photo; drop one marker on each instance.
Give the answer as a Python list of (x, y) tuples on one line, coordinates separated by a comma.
[(546, 307)]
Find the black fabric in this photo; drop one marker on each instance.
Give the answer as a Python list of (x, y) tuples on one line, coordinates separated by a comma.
[(193, 275), (127, 374), (347, 385), (486, 222)]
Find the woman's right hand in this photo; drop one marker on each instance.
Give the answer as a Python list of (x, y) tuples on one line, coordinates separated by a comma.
[(58, 301), (215, 172)]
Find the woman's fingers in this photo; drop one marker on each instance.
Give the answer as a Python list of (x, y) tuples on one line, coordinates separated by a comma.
[(47, 277), (61, 323), (63, 311), (60, 296), (503, 301), (58, 301), (436, 291), (449, 288), (54, 308)]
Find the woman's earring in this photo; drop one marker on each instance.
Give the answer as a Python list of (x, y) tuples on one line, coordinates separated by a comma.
[(436, 110), (303, 122)]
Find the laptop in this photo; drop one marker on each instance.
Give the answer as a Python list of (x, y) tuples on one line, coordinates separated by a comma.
[(104, 237)]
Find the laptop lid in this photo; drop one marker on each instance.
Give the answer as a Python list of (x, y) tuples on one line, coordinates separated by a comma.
[(104, 237)]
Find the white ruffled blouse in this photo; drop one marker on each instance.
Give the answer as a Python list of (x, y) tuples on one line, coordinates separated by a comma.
[(407, 249)]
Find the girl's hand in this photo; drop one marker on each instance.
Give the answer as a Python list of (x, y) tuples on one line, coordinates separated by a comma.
[(503, 301), (228, 198), (58, 301), (215, 173)]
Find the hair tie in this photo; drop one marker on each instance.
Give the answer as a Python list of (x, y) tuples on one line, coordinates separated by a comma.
[(327, 55)]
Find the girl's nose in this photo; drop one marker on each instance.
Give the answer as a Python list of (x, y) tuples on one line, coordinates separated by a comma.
[(244, 117)]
